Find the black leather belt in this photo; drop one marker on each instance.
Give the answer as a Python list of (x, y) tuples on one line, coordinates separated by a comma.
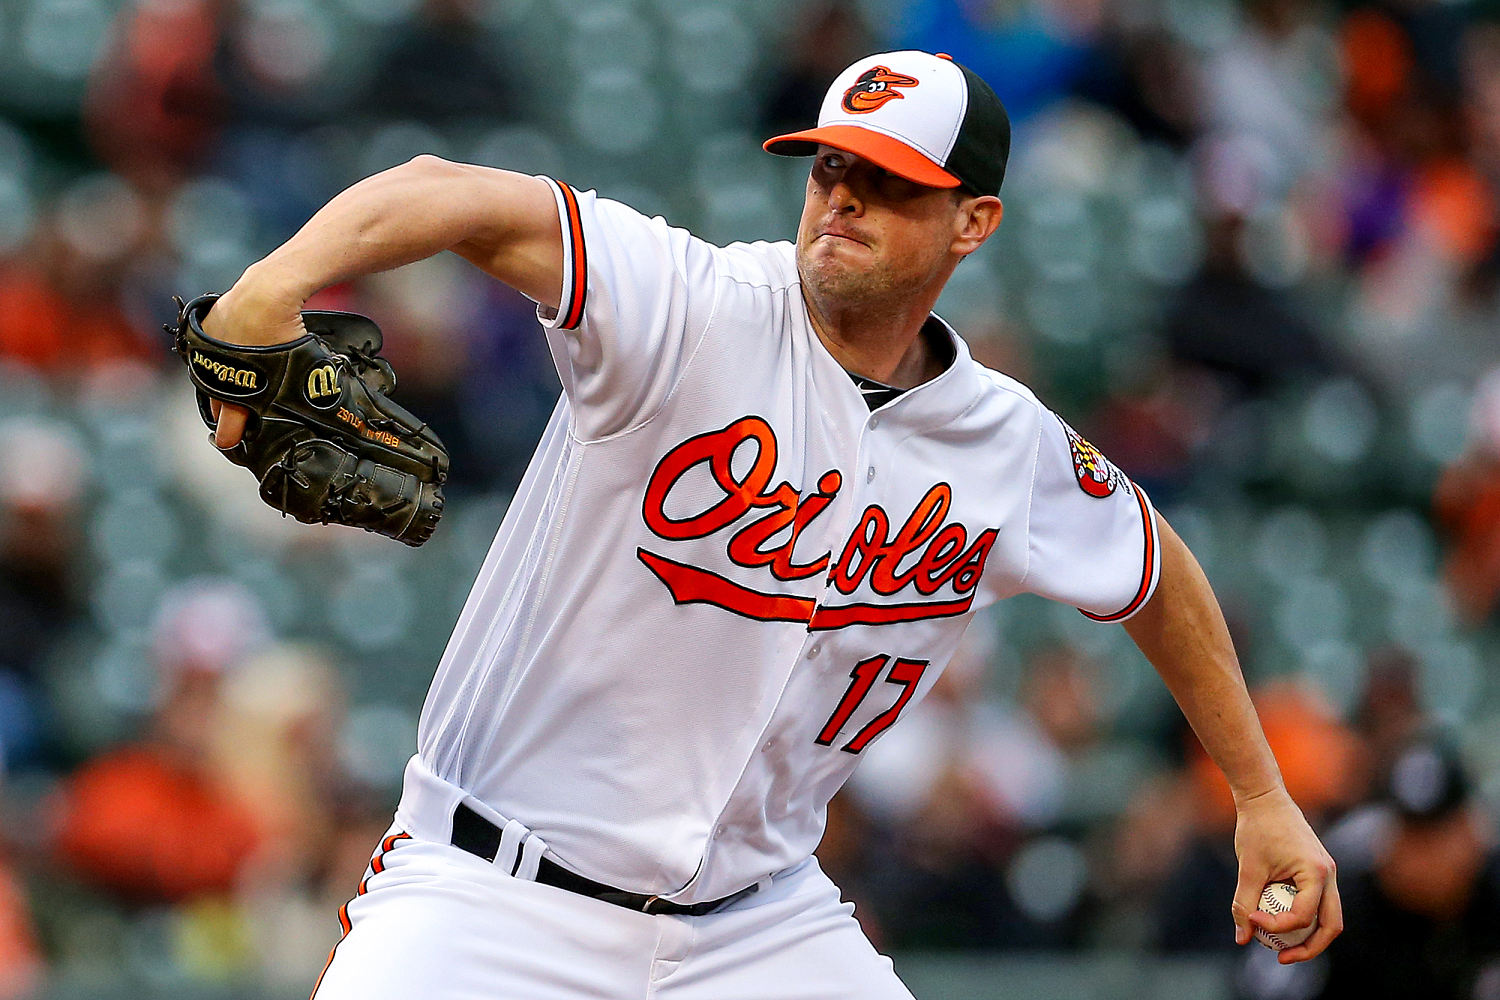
[(477, 835)]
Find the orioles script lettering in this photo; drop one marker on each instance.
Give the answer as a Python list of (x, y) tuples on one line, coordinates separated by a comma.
[(761, 524)]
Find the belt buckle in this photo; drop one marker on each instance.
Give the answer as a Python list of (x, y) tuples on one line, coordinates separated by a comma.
[(650, 901)]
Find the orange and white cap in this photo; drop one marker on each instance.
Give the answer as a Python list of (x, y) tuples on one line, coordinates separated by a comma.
[(918, 115)]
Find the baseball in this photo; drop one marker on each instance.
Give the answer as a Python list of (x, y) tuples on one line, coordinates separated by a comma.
[(1277, 898)]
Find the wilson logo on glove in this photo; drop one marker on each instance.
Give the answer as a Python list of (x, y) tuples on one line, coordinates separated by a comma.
[(324, 439), (323, 390), (225, 377)]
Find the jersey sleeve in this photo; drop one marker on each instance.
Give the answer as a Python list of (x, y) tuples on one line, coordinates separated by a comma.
[(636, 297), (1093, 540)]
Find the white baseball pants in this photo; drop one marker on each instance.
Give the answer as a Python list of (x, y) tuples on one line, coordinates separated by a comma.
[(432, 921)]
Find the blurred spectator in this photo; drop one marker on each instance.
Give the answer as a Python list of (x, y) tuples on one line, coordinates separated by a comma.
[(962, 788), (1226, 320), (274, 63), (1389, 712), (276, 748), (152, 820), (1466, 506), (1144, 852), (1159, 428), (277, 752), (945, 791), (60, 300), (21, 966), (1030, 52), (1148, 77), (444, 68), (508, 390), (850, 853), (1419, 203), (1423, 919), (1480, 68), (154, 104), (1272, 83), (825, 37), (41, 493)]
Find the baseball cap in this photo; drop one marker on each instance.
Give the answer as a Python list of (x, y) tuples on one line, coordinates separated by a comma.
[(1427, 780), (920, 116)]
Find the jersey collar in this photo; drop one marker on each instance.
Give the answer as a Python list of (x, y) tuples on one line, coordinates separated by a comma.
[(943, 399), (935, 402), (931, 404)]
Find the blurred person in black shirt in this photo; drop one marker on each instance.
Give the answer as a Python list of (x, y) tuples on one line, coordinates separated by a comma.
[(1425, 918), (1227, 320), (1422, 914), (442, 68), (42, 482)]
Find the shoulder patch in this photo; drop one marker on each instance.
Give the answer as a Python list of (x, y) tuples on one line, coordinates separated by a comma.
[(1096, 476)]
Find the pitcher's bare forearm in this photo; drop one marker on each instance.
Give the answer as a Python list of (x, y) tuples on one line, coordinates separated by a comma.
[(503, 222), (1182, 632)]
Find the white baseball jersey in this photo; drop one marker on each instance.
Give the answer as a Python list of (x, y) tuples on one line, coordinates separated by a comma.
[(723, 576)]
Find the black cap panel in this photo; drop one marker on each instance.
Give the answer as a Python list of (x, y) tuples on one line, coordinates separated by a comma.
[(983, 147)]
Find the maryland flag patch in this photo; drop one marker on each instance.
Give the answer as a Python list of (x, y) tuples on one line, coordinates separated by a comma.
[(1096, 476)]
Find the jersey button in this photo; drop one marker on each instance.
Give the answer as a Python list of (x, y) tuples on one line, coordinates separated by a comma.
[(874, 422), (812, 654), (870, 474), (768, 746)]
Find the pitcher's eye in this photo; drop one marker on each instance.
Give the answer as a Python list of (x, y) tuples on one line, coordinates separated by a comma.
[(894, 187)]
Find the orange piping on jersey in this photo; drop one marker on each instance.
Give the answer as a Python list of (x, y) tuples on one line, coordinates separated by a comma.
[(1149, 525), (324, 972), (377, 865), (691, 585), (579, 288)]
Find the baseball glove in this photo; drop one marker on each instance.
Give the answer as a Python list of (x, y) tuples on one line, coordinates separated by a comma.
[(324, 439)]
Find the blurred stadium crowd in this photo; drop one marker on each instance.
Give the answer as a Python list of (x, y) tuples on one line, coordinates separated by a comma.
[(1250, 250)]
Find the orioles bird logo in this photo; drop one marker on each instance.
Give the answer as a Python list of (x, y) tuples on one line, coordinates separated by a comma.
[(873, 88)]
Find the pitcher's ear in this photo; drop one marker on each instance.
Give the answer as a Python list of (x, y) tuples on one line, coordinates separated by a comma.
[(981, 217)]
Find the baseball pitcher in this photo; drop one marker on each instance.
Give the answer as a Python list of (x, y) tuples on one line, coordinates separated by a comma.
[(775, 491)]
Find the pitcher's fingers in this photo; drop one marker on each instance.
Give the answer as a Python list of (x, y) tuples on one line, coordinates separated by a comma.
[(1246, 898), (1330, 926), (231, 426), (1305, 906)]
